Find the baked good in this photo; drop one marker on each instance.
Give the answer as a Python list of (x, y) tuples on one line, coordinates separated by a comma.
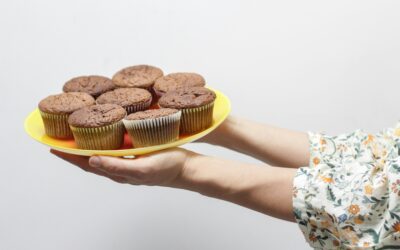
[(175, 81), (132, 99), (98, 127), (55, 110), (139, 76), (196, 104), (93, 85)]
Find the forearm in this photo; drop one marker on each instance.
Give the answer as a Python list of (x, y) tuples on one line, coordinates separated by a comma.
[(276, 146), (265, 189)]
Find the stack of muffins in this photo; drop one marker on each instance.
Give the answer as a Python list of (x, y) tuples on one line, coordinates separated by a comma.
[(154, 109)]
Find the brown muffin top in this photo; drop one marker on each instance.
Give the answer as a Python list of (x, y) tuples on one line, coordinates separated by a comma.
[(140, 76), (93, 85), (187, 98), (178, 80), (97, 116), (151, 114), (125, 97), (65, 103)]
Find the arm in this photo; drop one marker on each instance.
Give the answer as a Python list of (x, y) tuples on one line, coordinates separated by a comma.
[(276, 146), (264, 189)]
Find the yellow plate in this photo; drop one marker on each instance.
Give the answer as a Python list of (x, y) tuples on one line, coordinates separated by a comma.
[(34, 127)]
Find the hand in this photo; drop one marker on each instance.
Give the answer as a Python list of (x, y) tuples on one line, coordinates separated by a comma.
[(162, 168)]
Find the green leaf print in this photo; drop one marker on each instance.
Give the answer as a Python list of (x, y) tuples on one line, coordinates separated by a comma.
[(330, 195), (374, 235)]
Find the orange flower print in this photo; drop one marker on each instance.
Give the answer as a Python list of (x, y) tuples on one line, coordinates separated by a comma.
[(369, 139), (313, 223), (354, 209), (368, 189), (397, 132), (316, 160), (312, 237), (326, 179), (396, 226), (366, 244), (325, 224), (358, 220), (396, 187)]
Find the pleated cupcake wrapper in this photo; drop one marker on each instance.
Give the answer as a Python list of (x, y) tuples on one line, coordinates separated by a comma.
[(137, 107), (196, 119), (56, 125), (101, 138), (154, 131)]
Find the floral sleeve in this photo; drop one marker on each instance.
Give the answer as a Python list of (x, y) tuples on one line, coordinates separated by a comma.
[(348, 196)]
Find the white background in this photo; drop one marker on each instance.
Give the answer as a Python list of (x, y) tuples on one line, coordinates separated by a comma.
[(306, 65)]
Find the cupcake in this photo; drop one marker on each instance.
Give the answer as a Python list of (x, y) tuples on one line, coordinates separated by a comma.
[(153, 127), (139, 76), (132, 99), (55, 110), (93, 85), (177, 80), (98, 127), (196, 104)]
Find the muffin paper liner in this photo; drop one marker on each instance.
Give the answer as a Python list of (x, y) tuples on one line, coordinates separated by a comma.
[(56, 125), (101, 138), (196, 119), (154, 131), (137, 107)]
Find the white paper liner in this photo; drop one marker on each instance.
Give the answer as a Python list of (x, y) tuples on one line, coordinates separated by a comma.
[(156, 131)]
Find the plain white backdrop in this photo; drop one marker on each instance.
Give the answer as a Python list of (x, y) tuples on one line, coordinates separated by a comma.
[(309, 65)]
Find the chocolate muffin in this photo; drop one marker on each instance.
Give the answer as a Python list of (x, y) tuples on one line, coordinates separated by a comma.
[(56, 109), (93, 85), (139, 76), (132, 99), (98, 127), (177, 80), (196, 104), (153, 127)]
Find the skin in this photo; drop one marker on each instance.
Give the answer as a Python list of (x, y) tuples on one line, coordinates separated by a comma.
[(263, 188)]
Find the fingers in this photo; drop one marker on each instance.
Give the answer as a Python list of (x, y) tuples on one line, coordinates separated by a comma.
[(83, 163), (119, 167), (77, 160)]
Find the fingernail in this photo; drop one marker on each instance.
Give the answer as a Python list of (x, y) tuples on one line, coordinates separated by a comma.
[(95, 161)]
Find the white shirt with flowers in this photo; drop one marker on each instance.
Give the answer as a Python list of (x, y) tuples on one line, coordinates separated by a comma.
[(349, 195)]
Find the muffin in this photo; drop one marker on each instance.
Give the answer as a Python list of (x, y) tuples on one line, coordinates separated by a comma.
[(93, 85), (175, 81), (196, 104), (139, 76), (55, 110), (153, 127), (132, 99), (98, 127)]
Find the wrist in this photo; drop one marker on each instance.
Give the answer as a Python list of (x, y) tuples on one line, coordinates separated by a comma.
[(208, 176), (222, 134)]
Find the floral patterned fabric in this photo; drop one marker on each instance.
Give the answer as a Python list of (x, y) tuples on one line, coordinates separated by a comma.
[(349, 195)]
